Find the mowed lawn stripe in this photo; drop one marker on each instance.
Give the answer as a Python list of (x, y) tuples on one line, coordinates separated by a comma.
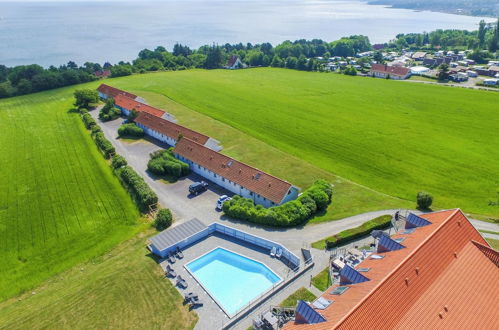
[(63, 205)]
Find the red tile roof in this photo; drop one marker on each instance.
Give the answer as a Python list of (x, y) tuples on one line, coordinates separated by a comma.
[(444, 278), (392, 70), (169, 128), (102, 73), (253, 179), (131, 104), (113, 91)]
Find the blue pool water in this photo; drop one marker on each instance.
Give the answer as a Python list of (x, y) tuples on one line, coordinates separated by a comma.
[(233, 280)]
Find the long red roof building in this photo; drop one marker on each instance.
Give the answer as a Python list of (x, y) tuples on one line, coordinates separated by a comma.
[(441, 274), (113, 92), (127, 103)]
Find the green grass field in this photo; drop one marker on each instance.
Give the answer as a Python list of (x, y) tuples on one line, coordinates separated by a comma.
[(300, 294), (59, 201), (322, 281), (124, 289), (394, 138)]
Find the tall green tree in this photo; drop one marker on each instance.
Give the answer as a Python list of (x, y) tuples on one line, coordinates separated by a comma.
[(494, 41), (481, 34), (85, 98), (214, 58)]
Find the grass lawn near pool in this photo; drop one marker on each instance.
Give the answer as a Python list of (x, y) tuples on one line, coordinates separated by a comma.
[(123, 289), (300, 294), (393, 137), (60, 204)]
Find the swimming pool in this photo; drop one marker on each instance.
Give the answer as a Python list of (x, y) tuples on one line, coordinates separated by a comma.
[(231, 279)]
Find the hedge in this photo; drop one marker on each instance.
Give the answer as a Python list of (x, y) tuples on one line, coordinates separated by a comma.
[(163, 162), (163, 219), (118, 161), (314, 199), (104, 145), (354, 233), (88, 120), (130, 130), (139, 189)]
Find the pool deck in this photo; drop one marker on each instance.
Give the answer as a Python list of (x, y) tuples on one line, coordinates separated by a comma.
[(211, 316)]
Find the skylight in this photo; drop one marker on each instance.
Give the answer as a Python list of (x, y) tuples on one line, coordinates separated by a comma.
[(229, 164), (257, 176), (363, 270), (339, 290), (376, 256), (399, 240), (408, 231)]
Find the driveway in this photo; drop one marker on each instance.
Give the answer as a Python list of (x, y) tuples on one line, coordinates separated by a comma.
[(175, 197)]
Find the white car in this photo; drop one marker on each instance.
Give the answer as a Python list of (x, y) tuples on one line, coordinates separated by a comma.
[(221, 201)]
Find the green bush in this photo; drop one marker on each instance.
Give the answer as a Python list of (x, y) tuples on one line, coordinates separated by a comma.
[(163, 162), (118, 161), (163, 219), (424, 200), (292, 213), (139, 189), (95, 129), (104, 145), (88, 121), (354, 233), (130, 130), (108, 111)]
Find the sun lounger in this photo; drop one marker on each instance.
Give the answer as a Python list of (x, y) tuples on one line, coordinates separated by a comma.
[(181, 282), (171, 258), (179, 253), (170, 272), (195, 302), (190, 296), (273, 251), (279, 253)]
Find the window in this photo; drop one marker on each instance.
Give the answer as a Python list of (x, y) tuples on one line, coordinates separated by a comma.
[(214, 175), (199, 166), (251, 193), (223, 179)]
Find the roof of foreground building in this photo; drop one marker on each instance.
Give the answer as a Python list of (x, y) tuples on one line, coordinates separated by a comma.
[(444, 276)]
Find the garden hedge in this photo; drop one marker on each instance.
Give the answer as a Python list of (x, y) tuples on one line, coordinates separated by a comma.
[(141, 192), (130, 130), (163, 162), (314, 199), (104, 145), (365, 229)]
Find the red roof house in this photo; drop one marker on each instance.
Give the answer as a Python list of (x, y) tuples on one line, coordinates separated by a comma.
[(441, 275), (106, 91), (393, 72), (127, 104)]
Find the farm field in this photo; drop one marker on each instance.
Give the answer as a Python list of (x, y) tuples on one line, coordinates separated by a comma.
[(393, 138), (123, 289), (59, 201)]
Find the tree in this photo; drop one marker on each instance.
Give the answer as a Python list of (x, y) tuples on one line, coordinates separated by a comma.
[(277, 62), (163, 219), (481, 34), (494, 40), (378, 57), (214, 58), (424, 200), (443, 72), (132, 115), (108, 111), (85, 98)]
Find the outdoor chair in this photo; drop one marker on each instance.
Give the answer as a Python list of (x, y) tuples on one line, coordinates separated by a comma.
[(181, 282), (279, 253), (170, 272), (273, 251), (179, 253), (171, 258)]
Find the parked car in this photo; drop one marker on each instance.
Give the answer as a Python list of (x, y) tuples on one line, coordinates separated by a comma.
[(222, 200), (198, 187)]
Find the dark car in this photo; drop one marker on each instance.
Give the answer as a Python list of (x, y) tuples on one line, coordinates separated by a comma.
[(198, 187)]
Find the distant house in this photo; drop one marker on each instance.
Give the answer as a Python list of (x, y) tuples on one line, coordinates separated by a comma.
[(235, 176), (419, 56), (106, 91), (419, 70), (393, 72), (492, 82), (126, 104), (169, 132), (102, 73), (234, 63)]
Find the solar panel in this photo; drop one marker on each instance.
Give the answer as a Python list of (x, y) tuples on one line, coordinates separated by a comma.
[(339, 290), (305, 313), (415, 221), (348, 275), (388, 244)]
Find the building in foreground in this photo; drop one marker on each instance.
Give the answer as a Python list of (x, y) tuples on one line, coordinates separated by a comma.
[(436, 273), (169, 132), (126, 104), (106, 91), (392, 72), (235, 176)]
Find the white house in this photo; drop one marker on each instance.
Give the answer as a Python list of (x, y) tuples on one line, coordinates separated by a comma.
[(237, 177), (169, 132), (235, 63), (393, 72), (106, 91)]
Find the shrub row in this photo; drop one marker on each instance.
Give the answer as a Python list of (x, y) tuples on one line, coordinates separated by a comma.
[(130, 130), (104, 145), (141, 192), (88, 121), (314, 199), (357, 232), (163, 162)]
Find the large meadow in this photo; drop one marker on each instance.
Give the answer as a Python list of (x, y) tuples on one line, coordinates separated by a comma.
[(392, 137)]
